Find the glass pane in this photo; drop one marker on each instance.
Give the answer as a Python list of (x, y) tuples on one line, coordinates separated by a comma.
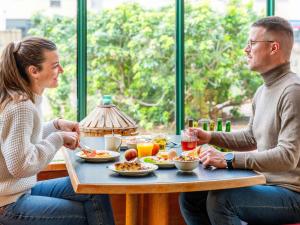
[(55, 20), (218, 81), (289, 9), (131, 56)]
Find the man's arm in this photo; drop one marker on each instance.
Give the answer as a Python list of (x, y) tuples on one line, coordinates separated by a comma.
[(237, 140), (286, 154)]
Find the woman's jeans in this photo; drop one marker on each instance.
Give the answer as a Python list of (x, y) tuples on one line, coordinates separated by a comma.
[(257, 205), (53, 202)]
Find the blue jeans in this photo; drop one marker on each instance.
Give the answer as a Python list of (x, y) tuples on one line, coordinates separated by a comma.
[(257, 205), (53, 202)]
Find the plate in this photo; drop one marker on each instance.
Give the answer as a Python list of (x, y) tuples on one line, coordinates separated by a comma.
[(144, 172), (112, 156), (159, 163)]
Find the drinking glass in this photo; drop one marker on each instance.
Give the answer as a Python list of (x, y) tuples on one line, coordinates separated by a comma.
[(161, 140), (144, 149), (188, 140)]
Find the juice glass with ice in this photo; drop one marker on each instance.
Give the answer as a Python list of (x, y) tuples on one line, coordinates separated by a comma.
[(144, 149)]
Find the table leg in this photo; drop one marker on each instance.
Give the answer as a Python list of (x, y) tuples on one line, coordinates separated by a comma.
[(134, 209), (159, 209)]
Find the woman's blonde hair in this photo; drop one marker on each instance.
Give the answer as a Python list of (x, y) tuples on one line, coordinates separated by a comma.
[(15, 59)]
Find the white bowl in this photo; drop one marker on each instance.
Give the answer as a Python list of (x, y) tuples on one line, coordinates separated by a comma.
[(186, 166)]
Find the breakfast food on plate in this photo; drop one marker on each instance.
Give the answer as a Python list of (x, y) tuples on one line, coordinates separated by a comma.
[(130, 154), (164, 155), (162, 158), (94, 154), (129, 166), (167, 155)]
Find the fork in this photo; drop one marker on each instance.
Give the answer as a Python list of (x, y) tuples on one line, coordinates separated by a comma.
[(85, 147)]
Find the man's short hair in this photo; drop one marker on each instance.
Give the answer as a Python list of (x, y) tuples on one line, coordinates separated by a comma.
[(280, 28)]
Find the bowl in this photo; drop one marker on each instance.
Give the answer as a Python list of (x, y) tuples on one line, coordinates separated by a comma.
[(186, 165)]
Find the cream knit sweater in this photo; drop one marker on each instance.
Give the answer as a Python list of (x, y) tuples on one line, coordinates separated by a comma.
[(26, 147)]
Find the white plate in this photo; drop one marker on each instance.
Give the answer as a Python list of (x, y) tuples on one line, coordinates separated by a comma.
[(160, 164), (113, 156), (150, 168)]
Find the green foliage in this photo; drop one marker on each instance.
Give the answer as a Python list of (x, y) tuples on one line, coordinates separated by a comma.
[(131, 56)]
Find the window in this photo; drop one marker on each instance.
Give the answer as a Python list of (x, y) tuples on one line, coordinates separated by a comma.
[(131, 56), (288, 10), (218, 83)]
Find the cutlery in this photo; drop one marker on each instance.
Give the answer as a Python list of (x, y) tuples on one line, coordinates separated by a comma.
[(85, 147)]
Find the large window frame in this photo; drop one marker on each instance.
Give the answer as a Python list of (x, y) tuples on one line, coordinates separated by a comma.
[(180, 73)]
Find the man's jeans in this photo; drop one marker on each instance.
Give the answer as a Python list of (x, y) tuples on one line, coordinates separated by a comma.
[(257, 205), (53, 202)]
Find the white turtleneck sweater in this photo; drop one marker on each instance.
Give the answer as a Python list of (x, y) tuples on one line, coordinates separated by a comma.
[(274, 130), (26, 147)]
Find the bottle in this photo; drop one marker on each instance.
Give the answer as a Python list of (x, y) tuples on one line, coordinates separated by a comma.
[(219, 124), (228, 126), (205, 125), (220, 129), (191, 123), (212, 125), (227, 129)]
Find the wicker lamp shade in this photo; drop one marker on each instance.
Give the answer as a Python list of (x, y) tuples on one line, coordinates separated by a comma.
[(107, 119)]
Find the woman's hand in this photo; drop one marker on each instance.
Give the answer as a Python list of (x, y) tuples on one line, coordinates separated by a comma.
[(212, 157), (203, 136), (71, 139), (67, 125)]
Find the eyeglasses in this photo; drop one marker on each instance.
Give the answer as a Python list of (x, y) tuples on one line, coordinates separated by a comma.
[(250, 43)]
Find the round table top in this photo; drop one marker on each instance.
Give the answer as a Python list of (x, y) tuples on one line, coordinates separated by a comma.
[(98, 178)]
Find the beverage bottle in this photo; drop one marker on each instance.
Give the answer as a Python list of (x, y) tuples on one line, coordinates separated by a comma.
[(227, 129), (228, 126), (212, 125), (190, 123), (220, 129), (205, 125), (219, 124)]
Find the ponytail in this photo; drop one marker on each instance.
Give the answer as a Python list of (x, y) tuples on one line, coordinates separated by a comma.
[(15, 59)]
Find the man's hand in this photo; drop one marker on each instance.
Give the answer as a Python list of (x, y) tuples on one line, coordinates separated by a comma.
[(66, 125), (71, 139), (212, 157), (202, 135)]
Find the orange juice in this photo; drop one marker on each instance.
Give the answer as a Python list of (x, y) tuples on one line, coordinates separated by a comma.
[(144, 149)]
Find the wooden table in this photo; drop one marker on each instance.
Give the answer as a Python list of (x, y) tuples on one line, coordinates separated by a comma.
[(96, 178)]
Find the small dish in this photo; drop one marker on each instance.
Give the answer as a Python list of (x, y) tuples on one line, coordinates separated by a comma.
[(103, 156), (186, 164), (160, 162), (147, 168)]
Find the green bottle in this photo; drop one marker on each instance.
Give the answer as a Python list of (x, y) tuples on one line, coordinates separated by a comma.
[(228, 126), (205, 125), (219, 124), (227, 129), (220, 129)]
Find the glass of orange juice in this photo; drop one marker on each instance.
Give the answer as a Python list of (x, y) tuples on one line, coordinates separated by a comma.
[(144, 149)]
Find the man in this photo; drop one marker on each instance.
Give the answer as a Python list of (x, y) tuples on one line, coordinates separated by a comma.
[(274, 130)]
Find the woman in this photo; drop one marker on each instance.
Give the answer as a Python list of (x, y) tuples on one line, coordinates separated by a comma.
[(27, 68)]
